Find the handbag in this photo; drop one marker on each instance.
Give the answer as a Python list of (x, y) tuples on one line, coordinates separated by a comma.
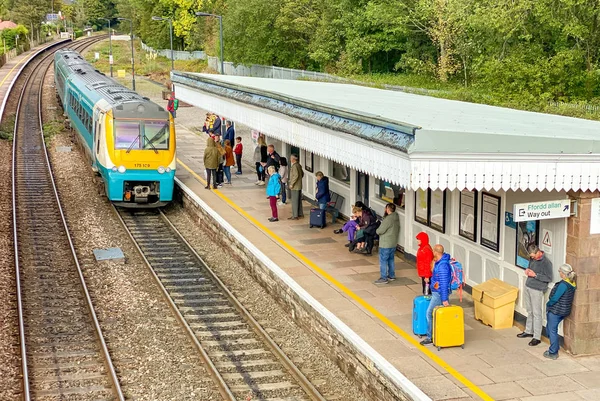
[(359, 234)]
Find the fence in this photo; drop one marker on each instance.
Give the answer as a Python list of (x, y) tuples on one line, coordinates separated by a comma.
[(23, 47), (177, 54)]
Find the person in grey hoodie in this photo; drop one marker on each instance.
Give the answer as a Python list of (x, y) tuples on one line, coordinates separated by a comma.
[(388, 233), (539, 275)]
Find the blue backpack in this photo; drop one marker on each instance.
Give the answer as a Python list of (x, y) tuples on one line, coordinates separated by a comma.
[(458, 279)]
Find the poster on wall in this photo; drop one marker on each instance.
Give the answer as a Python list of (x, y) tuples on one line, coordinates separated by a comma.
[(527, 234), (437, 220), (309, 160), (468, 213), (421, 206), (490, 221)]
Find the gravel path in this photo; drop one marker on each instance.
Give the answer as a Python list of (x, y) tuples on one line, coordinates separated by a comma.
[(10, 371), (297, 344), (153, 356)]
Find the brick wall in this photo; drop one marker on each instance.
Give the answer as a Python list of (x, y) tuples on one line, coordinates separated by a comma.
[(582, 328)]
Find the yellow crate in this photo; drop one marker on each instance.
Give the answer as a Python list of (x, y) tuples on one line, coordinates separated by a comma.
[(495, 303), (121, 73)]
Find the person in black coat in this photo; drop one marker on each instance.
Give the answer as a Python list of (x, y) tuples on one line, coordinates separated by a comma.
[(229, 133), (322, 195)]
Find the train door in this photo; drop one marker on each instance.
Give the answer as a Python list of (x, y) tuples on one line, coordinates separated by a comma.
[(98, 117)]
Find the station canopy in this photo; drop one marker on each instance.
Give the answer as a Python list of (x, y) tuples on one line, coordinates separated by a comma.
[(411, 140)]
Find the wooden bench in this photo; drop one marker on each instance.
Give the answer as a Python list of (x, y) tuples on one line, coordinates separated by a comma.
[(335, 205)]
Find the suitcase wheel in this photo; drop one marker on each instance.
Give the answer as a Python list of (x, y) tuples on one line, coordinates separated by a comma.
[(462, 346), (310, 226), (439, 348)]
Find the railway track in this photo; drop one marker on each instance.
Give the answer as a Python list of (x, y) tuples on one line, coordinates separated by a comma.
[(242, 358), (64, 356)]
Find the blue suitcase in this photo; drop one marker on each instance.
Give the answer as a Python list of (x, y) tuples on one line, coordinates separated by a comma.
[(317, 218), (420, 305)]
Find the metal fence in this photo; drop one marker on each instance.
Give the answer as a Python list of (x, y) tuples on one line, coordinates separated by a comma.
[(177, 54)]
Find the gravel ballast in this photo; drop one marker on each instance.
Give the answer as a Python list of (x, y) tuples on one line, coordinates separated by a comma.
[(10, 371)]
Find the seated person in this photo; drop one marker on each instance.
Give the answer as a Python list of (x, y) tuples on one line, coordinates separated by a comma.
[(368, 224), (351, 226)]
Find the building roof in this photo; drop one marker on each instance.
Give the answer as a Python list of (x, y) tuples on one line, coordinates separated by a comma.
[(441, 125), (411, 140), (7, 25)]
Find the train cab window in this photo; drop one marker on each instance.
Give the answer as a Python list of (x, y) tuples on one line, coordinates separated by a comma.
[(127, 134), (156, 135)]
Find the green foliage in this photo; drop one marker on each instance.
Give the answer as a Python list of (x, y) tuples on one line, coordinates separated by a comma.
[(521, 53), (9, 36), (51, 129), (7, 128)]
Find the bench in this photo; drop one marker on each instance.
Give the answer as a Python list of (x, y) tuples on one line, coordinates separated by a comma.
[(334, 206)]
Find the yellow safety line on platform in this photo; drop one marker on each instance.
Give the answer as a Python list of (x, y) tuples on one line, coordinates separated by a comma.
[(12, 69), (348, 292)]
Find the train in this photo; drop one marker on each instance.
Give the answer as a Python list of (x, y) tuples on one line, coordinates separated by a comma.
[(128, 139)]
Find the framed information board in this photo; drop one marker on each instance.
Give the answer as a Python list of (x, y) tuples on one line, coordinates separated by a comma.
[(468, 215), (490, 221)]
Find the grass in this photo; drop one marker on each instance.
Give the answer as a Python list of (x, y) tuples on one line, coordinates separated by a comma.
[(7, 128), (156, 68), (51, 129)]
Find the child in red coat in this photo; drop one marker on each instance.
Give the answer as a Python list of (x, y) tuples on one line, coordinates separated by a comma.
[(424, 259)]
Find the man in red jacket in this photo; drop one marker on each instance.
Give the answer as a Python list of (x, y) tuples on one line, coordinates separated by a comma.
[(424, 259)]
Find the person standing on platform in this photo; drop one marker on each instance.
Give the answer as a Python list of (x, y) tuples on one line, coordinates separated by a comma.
[(440, 287), (273, 191), (539, 274), (228, 161), (283, 173), (221, 150), (229, 133), (260, 159), (272, 158), (424, 260), (295, 182), (211, 162), (172, 105), (388, 232), (558, 307), (322, 195), (238, 150)]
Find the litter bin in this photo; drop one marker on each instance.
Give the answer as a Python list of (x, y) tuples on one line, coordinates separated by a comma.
[(495, 303)]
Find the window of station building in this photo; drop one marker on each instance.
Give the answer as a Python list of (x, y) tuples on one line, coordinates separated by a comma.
[(490, 221), (390, 193), (467, 216), (340, 172), (430, 208)]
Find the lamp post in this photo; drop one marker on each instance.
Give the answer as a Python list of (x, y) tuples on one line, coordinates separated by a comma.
[(132, 55), (170, 34), (110, 55), (201, 14)]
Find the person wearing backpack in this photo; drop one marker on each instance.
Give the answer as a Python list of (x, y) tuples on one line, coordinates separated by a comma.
[(440, 287), (172, 105), (424, 261)]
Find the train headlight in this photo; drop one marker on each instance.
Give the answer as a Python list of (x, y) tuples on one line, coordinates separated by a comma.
[(122, 169), (114, 169), (168, 170), (161, 170)]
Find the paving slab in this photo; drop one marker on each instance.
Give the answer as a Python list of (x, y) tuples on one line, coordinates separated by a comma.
[(550, 385)]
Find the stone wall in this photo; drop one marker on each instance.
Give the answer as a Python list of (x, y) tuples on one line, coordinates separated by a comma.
[(582, 328), (375, 385)]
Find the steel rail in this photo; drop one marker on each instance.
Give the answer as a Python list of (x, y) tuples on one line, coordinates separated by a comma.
[(107, 359), (212, 370), (306, 385)]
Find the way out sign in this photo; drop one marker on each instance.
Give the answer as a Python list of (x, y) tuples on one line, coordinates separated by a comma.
[(542, 210)]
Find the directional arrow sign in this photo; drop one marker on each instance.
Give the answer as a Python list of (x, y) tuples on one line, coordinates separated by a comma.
[(542, 210)]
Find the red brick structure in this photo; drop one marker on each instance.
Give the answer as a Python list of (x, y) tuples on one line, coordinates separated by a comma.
[(582, 328)]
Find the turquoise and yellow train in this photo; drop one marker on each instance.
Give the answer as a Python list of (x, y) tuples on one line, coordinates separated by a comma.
[(129, 140)]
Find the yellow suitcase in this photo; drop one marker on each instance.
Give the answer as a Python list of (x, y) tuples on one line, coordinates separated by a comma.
[(448, 326)]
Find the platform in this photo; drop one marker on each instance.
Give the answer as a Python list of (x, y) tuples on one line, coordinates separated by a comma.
[(494, 364)]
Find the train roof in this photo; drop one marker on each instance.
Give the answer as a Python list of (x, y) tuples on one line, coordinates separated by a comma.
[(125, 101)]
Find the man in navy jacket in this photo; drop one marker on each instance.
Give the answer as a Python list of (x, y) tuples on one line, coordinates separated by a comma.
[(439, 285)]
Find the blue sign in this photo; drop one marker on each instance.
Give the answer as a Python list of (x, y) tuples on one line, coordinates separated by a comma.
[(51, 17), (509, 221)]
